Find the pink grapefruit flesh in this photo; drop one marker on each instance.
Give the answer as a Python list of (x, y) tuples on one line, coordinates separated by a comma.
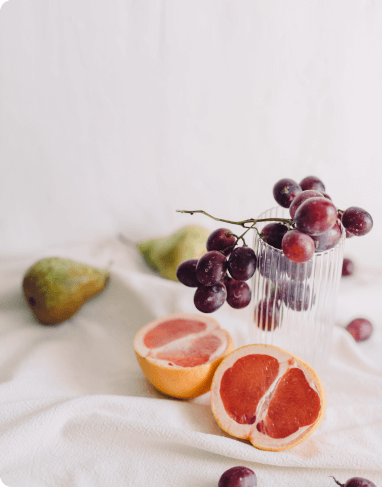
[(171, 330), (268, 396), (179, 353)]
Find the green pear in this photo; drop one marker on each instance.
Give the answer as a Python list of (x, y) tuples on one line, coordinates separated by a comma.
[(56, 288), (166, 253)]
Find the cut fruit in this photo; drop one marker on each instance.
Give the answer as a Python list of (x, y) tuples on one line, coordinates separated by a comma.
[(268, 396), (180, 353)]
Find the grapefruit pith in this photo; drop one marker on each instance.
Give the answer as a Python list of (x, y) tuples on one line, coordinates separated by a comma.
[(180, 353), (268, 396)]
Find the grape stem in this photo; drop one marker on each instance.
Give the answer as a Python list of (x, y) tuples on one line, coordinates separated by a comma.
[(241, 237), (336, 481), (253, 221)]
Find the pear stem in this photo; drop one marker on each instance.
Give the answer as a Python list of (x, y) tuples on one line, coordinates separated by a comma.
[(126, 240)]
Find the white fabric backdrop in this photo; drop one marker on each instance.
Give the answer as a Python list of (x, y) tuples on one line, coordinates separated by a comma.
[(112, 116), (115, 114)]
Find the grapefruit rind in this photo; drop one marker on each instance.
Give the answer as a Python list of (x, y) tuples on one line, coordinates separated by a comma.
[(174, 380), (249, 431)]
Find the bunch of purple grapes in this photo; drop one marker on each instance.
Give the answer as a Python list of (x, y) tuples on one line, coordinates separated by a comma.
[(220, 275), (316, 221)]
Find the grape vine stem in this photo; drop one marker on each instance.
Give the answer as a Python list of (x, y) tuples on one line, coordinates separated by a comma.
[(241, 237), (336, 481), (242, 223)]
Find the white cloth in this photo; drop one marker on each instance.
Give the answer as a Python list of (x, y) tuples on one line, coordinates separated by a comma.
[(114, 113), (76, 410)]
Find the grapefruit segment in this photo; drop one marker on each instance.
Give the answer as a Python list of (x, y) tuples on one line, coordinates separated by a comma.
[(245, 383), (180, 353), (173, 329), (268, 396), (294, 404), (193, 351)]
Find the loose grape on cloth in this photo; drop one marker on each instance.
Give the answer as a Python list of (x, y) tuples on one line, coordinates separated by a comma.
[(76, 410)]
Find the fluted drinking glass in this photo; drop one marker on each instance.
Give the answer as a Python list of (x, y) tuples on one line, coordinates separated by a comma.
[(293, 305)]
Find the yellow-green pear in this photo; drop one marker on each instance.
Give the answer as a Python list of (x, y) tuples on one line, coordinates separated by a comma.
[(56, 288), (166, 253)]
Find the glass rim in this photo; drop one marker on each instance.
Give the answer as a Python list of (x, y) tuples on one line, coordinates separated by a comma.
[(316, 254)]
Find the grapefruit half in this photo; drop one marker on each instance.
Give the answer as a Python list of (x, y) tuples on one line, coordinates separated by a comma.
[(180, 353), (268, 396)]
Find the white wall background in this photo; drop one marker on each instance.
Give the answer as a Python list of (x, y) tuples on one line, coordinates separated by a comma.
[(115, 114)]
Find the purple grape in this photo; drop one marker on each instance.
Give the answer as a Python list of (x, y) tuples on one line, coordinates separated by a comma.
[(273, 233), (356, 482), (186, 273), (357, 221), (211, 268), (238, 477), (298, 246), (296, 296), (221, 239), (285, 190), (312, 182), (238, 294), (299, 272), (226, 280), (360, 329), (267, 314), (299, 200), (329, 239), (271, 265), (327, 196), (315, 216), (348, 234), (276, 293), (242, 263), (208, 299), (347, 267)]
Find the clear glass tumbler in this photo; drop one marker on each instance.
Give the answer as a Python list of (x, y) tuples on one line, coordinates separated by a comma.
[(293, 305)]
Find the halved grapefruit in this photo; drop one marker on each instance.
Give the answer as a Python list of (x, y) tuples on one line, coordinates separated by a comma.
[(268, 396), (180, 353)]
